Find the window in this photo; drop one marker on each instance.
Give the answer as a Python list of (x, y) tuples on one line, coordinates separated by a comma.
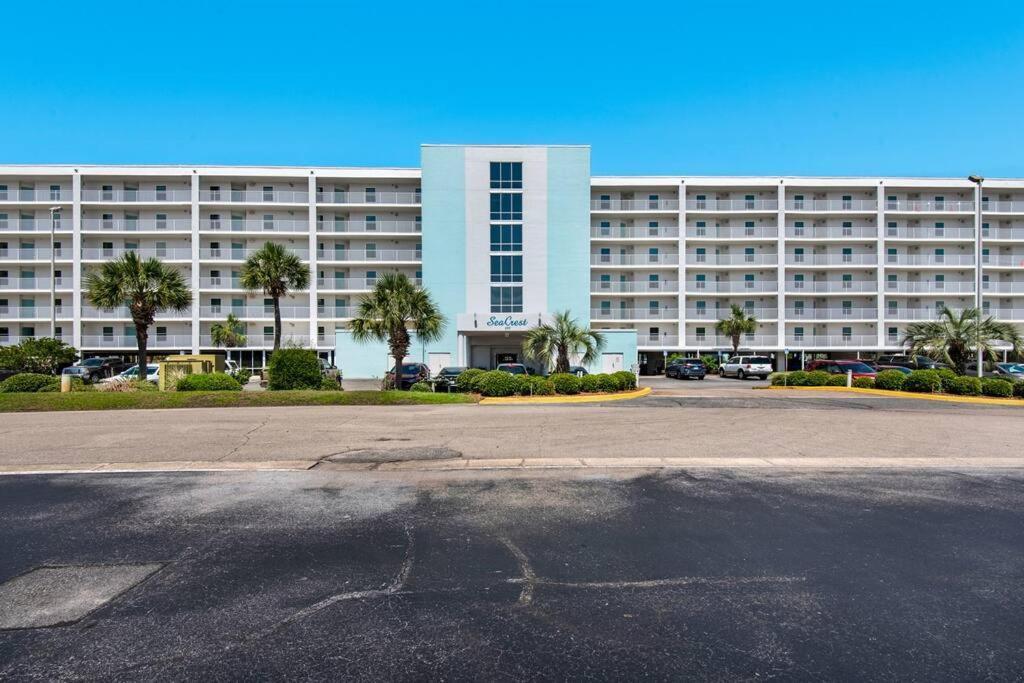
[(268, 193), (268, 334), (748, 255), (701, 308), (798, 333), (940, 281), (847, 308), (506, 206), (798, 229), (131, 193), (940, 202), (652, 228), (748, 228), (371, 249), (798, 308), (507, 237), (748, 201), (701, 281), (894, 334), (652, 255), (107, 249), (891, 202), (653, 281), (161, 221), (847, 229), (702, 229), (798, 255), (847, 281), (847, 255), (891, 229), (268, 221), (985, 255), (605, 202), (891, 255), (748, 281), (506, 175), (700, 202), (847, 202), (893, 307), (54, 192), (891, 280), (798, 202), (3, 194), (161, 249), (701, 255), (506, 299), (653, 201), (370, 195), (215, 221), (506, 269), (940, 255), (940, 229), (131, 221), (161, 193), (108, 333), (370, 223), (161, 334), (847, 333), (107, 193)]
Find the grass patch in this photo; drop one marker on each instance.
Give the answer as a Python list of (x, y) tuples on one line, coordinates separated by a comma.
[(89, 400)]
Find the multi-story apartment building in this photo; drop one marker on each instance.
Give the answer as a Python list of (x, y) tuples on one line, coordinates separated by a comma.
[(506, 235)]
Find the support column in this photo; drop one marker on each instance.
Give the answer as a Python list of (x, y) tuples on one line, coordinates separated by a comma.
[(195, 260), (680, 286), (781, 273), (76, 253), (880, 270), (313, 313)]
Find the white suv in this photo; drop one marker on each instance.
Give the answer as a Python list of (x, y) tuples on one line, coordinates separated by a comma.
[(742, 367)]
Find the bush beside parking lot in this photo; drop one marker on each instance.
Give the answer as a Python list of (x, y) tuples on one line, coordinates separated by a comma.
[(30, 382), (214, 381), (962, 386), (294, 369), (923, 382), (498, 383), (890, 380), (996, 387), (919, 381), (864, 382)]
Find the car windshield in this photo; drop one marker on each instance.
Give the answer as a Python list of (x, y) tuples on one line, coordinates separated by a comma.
[(452, 371), (759, 360), (131, 372), (410, 368), (856, 367), (92, 362), (693, 362), (514, 369), (1012, 367)]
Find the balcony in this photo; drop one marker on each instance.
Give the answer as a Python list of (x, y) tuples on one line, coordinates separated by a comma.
[(136, 225), (261, 341), (994, 233), (830, 286), (831, 259), (929, 206), (693, 259), (362, 197), (371, 255), (716, 314), (370, 227), (34, 225), (930, 260), (335, 312), (634, 232), (634, 286), (746, 341), (137, 196), (839, 313), (739, 205), (155, 341), (732, 232), (634, 259), (25, 194), (254, 225), (240, 254), (634, 204), (647, 340), (922, 233), (168, 253), (352, 284), (816, 205), (124, 313), (805, 341), (255, 312), (254, 196), (913, 313), (1015, 314), (830, 232), (40, 254), (725, 286), (932, 286), (24, 312), (1002, 287), (660, 313), (1002, 206), (1003, 260), (25, 283), (219, 283)]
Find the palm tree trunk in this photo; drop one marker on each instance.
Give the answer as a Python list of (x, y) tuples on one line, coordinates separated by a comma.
[(735, 344), (277, 322), (142, 339)]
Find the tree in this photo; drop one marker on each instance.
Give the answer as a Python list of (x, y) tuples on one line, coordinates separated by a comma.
[(735, 326), (394, 308), (147, 287), (44, 356), (954, 337), (561, 338), (275, 271), (229, 334)]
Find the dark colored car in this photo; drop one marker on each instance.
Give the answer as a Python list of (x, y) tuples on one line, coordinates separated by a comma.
[(898, 368), (690, 368), (578, 370), (912, 362), (411, 373), (446, 377), (841, 367), (4, 373), (513, 368), (96, 368)]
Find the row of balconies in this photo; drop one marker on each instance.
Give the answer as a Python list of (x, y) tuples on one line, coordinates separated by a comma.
[(711, 205), (867, 232), (177, 195)]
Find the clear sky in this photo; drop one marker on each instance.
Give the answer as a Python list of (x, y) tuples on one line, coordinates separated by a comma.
[(715, 87)]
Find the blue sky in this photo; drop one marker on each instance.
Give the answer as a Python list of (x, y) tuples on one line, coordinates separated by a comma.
[(929, 88)]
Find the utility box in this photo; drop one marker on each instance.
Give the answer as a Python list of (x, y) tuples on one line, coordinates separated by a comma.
[(173, 368)]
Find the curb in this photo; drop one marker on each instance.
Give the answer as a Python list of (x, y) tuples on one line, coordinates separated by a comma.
[(981, 400), (587, 398)]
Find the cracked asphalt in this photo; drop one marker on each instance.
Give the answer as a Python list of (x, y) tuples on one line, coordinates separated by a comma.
[(710, 574)]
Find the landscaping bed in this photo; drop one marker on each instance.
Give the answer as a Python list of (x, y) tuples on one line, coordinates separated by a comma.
[(943, 381), (496, 383)]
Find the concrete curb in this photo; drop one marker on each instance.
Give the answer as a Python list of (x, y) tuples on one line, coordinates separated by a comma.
[(982, 400), (586, 398)]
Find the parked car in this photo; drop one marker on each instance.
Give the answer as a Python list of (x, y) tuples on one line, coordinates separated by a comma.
[(912, 362), (513, 368), (899, 368), (411, 373), (742, 367), (132, 373), (446, 377), (1014, 370), (841, 367), (330, 371), (578, 370), (231, 366), (95, 369), (1010, 371), (5, 373), (687, 368)]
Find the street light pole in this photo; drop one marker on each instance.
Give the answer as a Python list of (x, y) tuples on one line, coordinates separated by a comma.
[(54, 212), (977, 180)]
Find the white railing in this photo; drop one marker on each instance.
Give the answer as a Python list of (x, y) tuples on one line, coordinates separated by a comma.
[(336, 312), (634, 204), (732, 232), (33, 195), (698, 286), (929, 260), (155, 341), (831, 259), (235, 254), (831, 340), (136, 196), (274, 196), (732, 204), (911, 313), (258, 312), (1004, 206), (912, 287), (746, 340), (261, 341), (363, 197), (253, 225), (656, 286), (40, 254), (1003, 260), (1007, 287), (123, 312), (831, 232), (412, 255), (633, 259), (634, 313), (16, 224), (24, 312), (956, 206), (841, 313), (827, 286), (1002, 233), (1006, 313), (831, 205), (223, 282), (631, 232), (136, 224), (364, 226), (694, 259), (922, 233), (357, 284), (30, 283), (657, 340), (716, 314), (170, 253)]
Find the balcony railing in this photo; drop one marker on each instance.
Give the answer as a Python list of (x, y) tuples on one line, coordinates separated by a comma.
[(631, 232), (25, 194), (169, 253), (24, 312), (363, 197), (240, 254), (397, 255), (634, 204), (995, 233), (732, 232), (912, 313), (136, 196), (651, 286), (746, 340), (254, 312), (832, 232), (746, 286), (939, 286), (633, 259), (254, 225), (956, 206), (30, 283), (1005, 313), (929, 260), (372, 227), (657, 340), (35, 254), (155, 341), (1002, 287), (831, 259), (831, 340), (1003, 260), (219, 283), (830, 286), (840, 313), (137, 224), (261, 341), (16, 224), (335, 311), (831, 205), (732, 204), (123, 312), (732, 259), (254, 196), (924, 233), (357, 284), (640, 313), (716, 314), (1003, 206)]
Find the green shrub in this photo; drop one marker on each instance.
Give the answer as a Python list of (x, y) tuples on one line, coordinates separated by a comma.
[(1018, 389), (214, 381), (864, 382), (710, 363), (627, 380), (77, 384), (466, 381), (923, 382), (947, 377), (294, 369), (588, 384), (30, 382), (997, 387), (330, 384), (419, 386), (797, 378), (566, 383), (962, 386), (818, 378), (607, 383), (536, 386), (837, 380), (497, 383), (241, 376), (890, 380), (779, 379)]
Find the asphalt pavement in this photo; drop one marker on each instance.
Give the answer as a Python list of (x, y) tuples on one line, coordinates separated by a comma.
[(696, 574)]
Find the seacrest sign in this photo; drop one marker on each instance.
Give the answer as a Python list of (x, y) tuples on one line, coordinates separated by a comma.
[(508, 322)]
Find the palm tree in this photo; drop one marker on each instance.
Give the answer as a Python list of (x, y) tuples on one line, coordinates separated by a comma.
[(735, 326), (561, 338), (146, 287), (394, 308), (954, 338), (275, 271), (229, 334)]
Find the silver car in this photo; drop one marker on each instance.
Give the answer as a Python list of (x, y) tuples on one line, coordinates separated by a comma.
[(742, 367)]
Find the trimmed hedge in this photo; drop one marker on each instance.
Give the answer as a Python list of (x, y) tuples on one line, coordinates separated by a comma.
[(818, 378), (962, 386), (864, 382), (923, 382), (498, 383), (214, 381), (566, 383), (1018, 389), (466, 380), (607, 383), (30, 382), (588, 384), (997, 387), (947, 377), (627, 380), (330, 384), (837, 381), (294, 369), (420, 386), (537, 386), (890, 380)]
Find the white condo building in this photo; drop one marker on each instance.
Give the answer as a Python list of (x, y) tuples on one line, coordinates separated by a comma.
[(826, 265)]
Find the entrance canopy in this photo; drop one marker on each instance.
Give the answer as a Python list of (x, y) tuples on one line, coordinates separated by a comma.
[(500, 322)]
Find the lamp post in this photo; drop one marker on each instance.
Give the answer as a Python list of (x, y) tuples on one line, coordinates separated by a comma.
[(977, 180), (54, 212)]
